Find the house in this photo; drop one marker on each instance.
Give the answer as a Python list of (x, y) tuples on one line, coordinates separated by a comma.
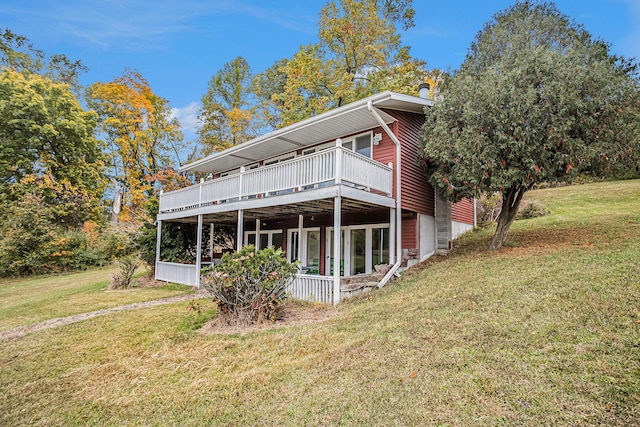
[(352, 169)]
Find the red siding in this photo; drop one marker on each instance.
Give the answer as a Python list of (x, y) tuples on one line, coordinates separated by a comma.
[(385, 152), (409, 233), (462, 211), (417, 193)]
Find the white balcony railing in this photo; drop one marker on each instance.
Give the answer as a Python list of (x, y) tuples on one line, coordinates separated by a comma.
[(299, 174), (312, 288)]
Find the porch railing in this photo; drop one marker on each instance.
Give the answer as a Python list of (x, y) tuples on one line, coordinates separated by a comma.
[(312, 288), (185, 274), (299, 174)]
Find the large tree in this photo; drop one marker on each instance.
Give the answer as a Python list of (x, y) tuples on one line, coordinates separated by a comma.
[(44, 130), (142, 138), (19, 54), (227, 115), (537, 99), (358, 53)]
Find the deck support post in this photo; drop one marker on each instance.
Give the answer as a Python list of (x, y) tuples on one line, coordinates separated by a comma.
[(199, 252), (392, 236), (300, 225), (337, 243), (239, 230), (257, 245), (211, 233)]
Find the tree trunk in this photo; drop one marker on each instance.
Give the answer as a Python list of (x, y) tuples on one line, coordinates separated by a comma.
[(510, 202)]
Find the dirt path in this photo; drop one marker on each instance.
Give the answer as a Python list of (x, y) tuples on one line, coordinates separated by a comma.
[(59, 321)]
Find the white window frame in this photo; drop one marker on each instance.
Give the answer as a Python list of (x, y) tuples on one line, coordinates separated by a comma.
[(278, 159), (270, 233), (352, 140), (347, 247), (301, 241), (237, 170), (317, 148)]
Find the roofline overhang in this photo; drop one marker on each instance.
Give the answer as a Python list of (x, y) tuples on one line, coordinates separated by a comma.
[(409, 103)]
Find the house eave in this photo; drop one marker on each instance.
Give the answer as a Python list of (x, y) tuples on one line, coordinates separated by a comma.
[(345, 120)]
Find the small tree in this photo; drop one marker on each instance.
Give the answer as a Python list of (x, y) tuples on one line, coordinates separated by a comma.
[(250, 285), (536, 99)]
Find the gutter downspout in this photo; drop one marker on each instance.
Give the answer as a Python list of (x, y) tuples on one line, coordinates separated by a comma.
[(397, 169)]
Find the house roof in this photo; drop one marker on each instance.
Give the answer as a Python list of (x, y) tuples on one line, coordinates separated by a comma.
[(346, 120)]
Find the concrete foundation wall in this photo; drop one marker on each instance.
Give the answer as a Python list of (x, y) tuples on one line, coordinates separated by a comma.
[(427, 234), (459, 228)]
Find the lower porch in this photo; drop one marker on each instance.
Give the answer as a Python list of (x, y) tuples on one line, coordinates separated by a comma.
[(304, 287), (305, 232)]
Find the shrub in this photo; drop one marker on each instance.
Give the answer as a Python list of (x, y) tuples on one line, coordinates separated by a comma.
[(488, 208), (249, 285), (123, 279), (531, 209), (115, 243)]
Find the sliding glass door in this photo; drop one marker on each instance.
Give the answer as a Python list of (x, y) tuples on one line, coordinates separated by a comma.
[(363, 247)]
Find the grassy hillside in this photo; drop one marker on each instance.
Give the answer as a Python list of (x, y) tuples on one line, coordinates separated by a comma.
[(544, 332), (27, 301)]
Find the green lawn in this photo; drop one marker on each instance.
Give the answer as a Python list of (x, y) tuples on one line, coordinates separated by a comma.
[(544, 332), (27, 301)]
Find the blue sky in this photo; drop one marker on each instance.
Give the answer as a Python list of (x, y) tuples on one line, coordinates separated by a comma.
[(179, 44)]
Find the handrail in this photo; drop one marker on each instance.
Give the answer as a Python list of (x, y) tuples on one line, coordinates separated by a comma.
[(297, 174)]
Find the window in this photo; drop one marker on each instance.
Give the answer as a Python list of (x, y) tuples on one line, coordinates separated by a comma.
[(310, 245), (267, 238), (379, 246), (361, 144), (275, 160), (312, 255), (362, 248), (318, 148)]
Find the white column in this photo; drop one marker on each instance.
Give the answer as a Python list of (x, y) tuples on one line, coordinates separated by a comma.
[(392, 236), (199, 252), (211, 233), (258, 235), (337, 243), (368, 256), (240, 230), (300, 225), (338, 161), (240, 189)]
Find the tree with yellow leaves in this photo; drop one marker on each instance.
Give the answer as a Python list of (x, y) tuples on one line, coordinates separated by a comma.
[(141, 137), (227, 115), (359, 53)]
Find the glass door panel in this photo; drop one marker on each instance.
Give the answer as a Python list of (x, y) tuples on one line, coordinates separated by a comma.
[(380, 246), (358, 251), (292, 246), (313, 252), (276, 240), (264, 240), (330, 252)]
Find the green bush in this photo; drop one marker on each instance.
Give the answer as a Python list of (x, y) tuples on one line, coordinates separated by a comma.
[(488, 207), (249, 285), (123, 278), (115, 243), (531, 209)]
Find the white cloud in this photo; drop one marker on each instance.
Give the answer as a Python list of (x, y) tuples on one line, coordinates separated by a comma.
[(188, 117), (136, 25)]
